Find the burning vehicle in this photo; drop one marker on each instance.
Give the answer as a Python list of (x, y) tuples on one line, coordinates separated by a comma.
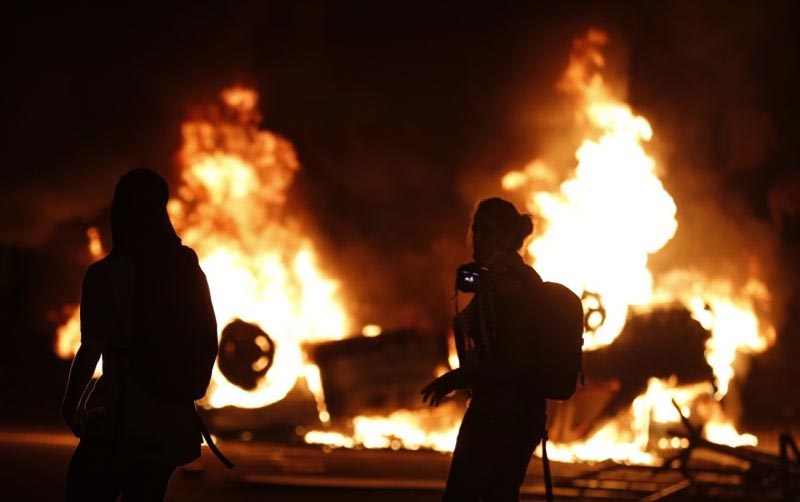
[(661, 344)]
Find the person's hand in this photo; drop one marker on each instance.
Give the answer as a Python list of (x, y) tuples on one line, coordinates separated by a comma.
[(71, 417), (436, 391)]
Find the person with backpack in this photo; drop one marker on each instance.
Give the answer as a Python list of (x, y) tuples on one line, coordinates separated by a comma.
[(146, 309), (503, 355)]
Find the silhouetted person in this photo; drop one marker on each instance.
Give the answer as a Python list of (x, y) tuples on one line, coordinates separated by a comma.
[(146, 309), (506, 415)]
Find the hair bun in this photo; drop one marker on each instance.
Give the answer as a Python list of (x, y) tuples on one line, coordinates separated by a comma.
[(515, 226), (525, 225)]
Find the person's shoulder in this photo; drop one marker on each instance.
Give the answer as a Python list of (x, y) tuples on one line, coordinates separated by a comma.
[(521, 280), (507, 284), (531, 274), (188, 254), (100, 273), (99, 268), (187, 258)]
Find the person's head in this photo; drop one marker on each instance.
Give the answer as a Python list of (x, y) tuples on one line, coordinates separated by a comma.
[(497, 226), (139, 218)]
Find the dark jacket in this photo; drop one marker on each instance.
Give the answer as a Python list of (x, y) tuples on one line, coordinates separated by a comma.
[(152, 319), (496, 334)]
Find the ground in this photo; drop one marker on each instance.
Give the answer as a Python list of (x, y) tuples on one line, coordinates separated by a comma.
[(34, 464)]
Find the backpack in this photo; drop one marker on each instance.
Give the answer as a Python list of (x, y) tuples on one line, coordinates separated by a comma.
[(553, 350), (559, 326)]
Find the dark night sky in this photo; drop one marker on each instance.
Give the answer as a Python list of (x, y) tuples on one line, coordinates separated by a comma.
[(395, 110), (411, 95)]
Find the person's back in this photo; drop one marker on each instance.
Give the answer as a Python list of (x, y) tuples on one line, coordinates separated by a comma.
[(146, 309)]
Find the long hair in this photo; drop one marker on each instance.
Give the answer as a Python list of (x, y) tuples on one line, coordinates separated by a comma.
[(139, 220)]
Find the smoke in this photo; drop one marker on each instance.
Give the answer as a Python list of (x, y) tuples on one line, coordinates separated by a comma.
[(717, 137)]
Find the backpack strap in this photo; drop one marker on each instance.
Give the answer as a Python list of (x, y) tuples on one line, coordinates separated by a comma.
[(210, 442), (484, 297), (548, 481)]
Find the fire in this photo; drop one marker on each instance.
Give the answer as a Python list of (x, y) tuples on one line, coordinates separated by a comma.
[(435, 429), (371, 330), (729, 313), (452, 352), (627, 438), (95, 244), (605, 221), (68, 335), (723, 431), (600, 227), (260, 268)]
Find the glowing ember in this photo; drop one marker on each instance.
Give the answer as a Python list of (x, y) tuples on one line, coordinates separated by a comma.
[(371, 330)]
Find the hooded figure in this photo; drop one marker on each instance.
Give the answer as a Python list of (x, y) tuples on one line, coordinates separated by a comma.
[(146, 309)]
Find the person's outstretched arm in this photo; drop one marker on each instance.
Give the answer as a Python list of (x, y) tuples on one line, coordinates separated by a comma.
[(506, 310)]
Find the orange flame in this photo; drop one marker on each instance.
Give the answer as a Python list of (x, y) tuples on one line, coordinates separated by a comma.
[(68, 335), (95, 244), (435, 429), (260, 268), (600, 228), (612, 214)]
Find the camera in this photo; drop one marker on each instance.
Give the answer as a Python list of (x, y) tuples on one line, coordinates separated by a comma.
[(467, 277)]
